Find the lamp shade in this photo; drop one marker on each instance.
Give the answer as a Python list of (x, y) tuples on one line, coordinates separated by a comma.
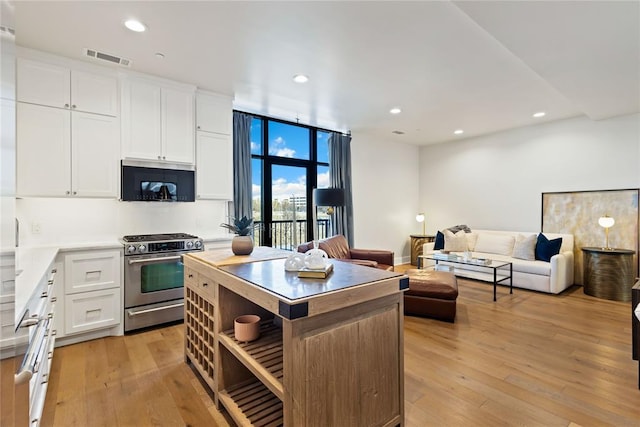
[(329, 196), (606, 221), (420, 217)]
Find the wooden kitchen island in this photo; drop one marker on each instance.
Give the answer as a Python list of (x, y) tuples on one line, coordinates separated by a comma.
[(330, 351)]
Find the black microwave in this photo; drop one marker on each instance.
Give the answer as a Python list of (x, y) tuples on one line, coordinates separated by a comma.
[(152, 184)]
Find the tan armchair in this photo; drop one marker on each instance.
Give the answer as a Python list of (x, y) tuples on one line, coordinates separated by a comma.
[(337, 247)]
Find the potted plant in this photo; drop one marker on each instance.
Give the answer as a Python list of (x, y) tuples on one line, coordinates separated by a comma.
[(242, 243)]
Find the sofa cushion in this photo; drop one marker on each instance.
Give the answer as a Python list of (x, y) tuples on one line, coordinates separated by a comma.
[(472, 238), (546, 248), (495, 244), (525, 247), (439, 242), (455, 242)]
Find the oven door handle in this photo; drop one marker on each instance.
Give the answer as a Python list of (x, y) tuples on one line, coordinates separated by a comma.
[(150, 310), (140, 261)]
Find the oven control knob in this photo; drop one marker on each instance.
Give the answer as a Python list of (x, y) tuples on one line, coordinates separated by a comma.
[(142, 249), (131, 249), (189, 244), (197, 244)]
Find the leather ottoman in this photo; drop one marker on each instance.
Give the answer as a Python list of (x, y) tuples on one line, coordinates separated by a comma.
[(431, 294)]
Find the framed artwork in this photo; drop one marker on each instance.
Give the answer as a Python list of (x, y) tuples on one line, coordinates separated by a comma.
[(577, 213)]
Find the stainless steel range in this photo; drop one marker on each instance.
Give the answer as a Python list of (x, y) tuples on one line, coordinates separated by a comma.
[(154, 278)]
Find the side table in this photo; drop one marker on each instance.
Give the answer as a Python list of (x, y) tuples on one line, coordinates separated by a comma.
[(417, 240), (608, 273)]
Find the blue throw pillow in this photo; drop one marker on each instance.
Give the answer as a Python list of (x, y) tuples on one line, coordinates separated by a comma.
[(546, 248), (439, 243)]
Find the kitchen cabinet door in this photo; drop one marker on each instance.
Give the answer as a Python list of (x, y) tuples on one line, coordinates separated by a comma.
[(177, 126), (54, 86), (43, 84), (94, 93), (43, 151), (141, 121), (214, 113), (95, 155), (214, 168)]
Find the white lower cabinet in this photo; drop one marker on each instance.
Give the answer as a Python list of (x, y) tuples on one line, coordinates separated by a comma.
[(88, 311), (92, 294)]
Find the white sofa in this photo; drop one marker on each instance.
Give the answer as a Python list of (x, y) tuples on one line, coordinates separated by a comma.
[(551, 277)]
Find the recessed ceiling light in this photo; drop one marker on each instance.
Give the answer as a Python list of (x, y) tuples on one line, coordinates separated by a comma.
[(134, 25), (159, 55), (458, 131), (397, 132), (300, 78), (395, 110), (540, 114)]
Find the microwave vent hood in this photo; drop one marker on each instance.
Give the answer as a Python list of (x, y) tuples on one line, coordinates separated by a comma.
[(147, 182)]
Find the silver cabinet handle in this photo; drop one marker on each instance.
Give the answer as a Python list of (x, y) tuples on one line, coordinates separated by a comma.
[(141, 261), (67, 192), (73, 106), (66, 105), (28, 366), (32, 321), (132, 313)]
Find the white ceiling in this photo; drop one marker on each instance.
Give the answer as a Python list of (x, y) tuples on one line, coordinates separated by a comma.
[(481, 66)]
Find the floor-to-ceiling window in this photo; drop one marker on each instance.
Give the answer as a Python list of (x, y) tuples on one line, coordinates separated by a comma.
[(288, 161)]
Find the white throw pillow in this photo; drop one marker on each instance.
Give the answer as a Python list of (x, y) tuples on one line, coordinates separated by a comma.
[(525, 247), (472, 238), (501, 244), (455, 242)]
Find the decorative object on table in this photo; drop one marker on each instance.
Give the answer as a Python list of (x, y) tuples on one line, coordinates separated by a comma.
[(316, 258), (316, 273), (330, 197), (606, 222), (421, 218), (242, 243), (294, 262), (247, 327)]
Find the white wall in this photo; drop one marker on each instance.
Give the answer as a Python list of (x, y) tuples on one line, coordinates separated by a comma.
[(385, 195), (497, 181), (78, 220)]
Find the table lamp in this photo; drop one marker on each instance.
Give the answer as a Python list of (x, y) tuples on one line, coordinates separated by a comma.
[(606, 222), (420, 218), (330, 197)]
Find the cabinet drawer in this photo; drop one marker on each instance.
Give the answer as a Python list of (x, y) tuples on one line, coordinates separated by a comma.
[(92, 310), (190, 277), (92, 271)]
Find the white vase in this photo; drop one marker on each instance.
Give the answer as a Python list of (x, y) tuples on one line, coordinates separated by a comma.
[(242, 245)]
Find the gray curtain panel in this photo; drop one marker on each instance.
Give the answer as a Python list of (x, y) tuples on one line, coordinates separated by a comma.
[(242, 165), (340, 177)]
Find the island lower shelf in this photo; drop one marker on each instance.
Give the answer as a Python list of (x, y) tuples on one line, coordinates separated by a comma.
[(329, 358)]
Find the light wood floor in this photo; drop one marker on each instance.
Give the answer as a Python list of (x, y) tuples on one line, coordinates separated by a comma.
[(529, 359)]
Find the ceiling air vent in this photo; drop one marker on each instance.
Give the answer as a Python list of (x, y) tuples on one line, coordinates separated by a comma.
[(92, 53)]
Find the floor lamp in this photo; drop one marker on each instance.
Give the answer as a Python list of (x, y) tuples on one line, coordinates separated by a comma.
[(330, 197)]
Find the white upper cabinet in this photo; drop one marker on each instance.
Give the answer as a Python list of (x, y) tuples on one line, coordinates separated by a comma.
[(214, 167), (60, 153), (177, 126), (55, 86), (214, 113), (157, 121), (43, 151)]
